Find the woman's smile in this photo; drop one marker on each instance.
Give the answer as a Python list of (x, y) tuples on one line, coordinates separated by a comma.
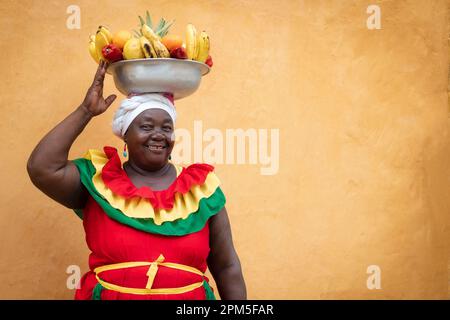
[(156, 148)]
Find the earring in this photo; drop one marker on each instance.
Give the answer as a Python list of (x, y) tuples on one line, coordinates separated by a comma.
[(125, 154), (170, 157)]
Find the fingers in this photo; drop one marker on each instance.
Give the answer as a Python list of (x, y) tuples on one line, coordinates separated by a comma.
[(110, 100), (100, 74), (99, 70)]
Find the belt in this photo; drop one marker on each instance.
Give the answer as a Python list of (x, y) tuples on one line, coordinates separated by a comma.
[(151, 273)]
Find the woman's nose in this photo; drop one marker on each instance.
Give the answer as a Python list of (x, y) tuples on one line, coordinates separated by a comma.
[(157, 134)]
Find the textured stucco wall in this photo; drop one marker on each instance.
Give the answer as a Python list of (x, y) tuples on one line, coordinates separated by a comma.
[(364, 170)]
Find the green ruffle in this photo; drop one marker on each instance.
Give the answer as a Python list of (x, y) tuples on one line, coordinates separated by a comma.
[(195, 222)]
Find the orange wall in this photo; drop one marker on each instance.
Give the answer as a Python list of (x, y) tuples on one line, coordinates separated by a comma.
[(363, 173)]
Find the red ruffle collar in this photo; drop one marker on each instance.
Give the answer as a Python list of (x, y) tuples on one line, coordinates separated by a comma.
[(116, 179)]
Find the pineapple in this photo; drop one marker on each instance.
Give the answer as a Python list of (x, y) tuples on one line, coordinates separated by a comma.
[(161, 29)]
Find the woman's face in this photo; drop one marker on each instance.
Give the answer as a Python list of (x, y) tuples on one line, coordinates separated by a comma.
[(150, 139)]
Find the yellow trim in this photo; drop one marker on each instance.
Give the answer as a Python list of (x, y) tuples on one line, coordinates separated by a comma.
[(121, 289), (184, 204), (124, 265), (151, 273)]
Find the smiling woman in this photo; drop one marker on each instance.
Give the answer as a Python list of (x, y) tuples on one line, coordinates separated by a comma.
[(150, 141), (153, 227)]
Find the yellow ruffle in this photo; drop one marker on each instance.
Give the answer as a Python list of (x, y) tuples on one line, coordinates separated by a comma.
[(184, 204)]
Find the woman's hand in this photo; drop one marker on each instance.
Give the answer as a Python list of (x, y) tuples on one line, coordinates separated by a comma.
[(93, 103)]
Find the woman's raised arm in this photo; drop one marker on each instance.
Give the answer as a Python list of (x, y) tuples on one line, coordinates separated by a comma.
[(48, 166)]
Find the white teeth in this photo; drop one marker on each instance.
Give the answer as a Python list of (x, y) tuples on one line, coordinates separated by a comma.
[(155, 148)]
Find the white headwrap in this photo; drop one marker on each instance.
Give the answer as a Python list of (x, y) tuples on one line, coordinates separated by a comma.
[(131, 107)]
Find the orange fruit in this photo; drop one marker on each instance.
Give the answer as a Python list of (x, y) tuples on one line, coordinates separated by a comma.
[(172, 41), (121, 37)]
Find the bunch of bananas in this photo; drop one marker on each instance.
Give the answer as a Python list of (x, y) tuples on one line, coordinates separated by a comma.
[(197, 45), (151, 44), (97, 42)]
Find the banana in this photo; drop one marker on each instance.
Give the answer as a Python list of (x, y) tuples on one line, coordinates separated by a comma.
[(191, 42), (149, 33), (204, 45), (155, 41), (101, 40), (147, 47), (106, 32), (92, 48), (161, 50)]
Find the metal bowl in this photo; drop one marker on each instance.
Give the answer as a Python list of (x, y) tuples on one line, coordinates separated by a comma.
[(179, 77)]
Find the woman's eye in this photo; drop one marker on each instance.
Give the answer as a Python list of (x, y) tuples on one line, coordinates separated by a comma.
[(146, 127), (167, 128)]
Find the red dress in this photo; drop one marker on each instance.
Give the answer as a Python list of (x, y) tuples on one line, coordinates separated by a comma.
[(130, 225)]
